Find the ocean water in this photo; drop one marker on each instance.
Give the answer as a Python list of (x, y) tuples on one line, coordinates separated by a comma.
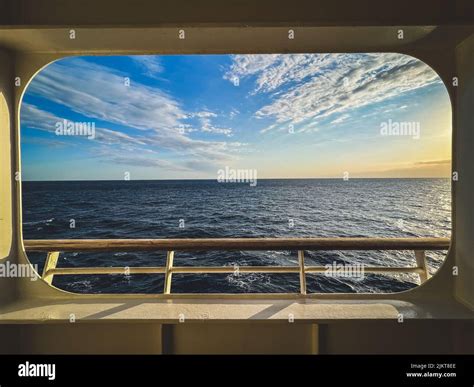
[(274, 208)]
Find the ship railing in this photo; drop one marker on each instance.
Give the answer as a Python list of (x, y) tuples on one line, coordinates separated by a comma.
[(53, 248)]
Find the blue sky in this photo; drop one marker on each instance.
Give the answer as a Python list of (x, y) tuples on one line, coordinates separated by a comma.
[(187, 116)]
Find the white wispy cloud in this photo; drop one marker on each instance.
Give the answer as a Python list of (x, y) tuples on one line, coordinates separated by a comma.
[(233, 113), (45, 142), (140, 161), (117, 147), (340, 119), (155, 120), (246, 65), (150, 64), (207, 126), (202, 114), (205, 118), (113, 137), (36, 118), (100, 92), (305, 87)]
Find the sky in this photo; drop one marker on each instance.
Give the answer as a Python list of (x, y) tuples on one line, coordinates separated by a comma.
[(283, 115)]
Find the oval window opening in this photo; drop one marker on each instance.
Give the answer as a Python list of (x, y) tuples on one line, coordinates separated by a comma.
[(349, 153)]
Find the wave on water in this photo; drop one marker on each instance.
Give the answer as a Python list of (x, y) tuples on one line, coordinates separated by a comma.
[(208, 209)]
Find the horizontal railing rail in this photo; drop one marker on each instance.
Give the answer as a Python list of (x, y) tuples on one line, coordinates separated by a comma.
[(54, 247), (237, 244)]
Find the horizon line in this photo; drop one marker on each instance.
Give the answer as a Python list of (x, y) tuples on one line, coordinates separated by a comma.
[(265, 178)]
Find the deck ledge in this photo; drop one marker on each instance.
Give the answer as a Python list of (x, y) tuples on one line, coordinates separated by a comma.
[(144, 310)]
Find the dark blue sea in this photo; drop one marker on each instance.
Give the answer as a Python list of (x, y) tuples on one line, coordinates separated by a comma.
[(273, 208)]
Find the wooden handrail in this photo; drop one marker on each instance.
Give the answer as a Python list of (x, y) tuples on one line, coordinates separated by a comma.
[(207, 244)]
